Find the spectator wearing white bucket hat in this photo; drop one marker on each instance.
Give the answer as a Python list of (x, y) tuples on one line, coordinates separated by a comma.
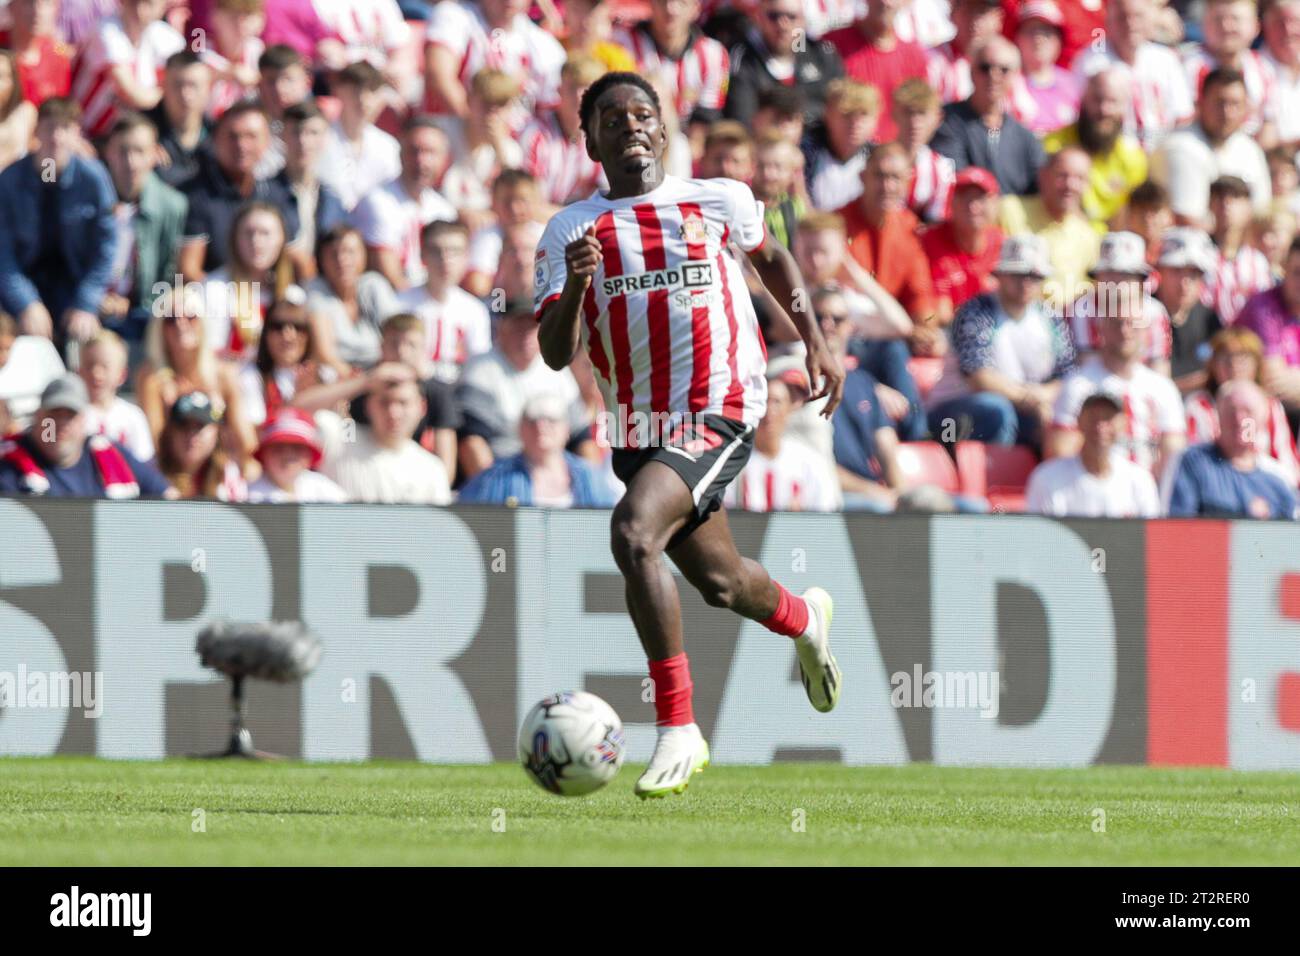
[(1121, 273), (1184, 263), (1009, 353)]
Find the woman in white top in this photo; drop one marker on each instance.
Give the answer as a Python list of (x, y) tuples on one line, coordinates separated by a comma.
[(287, 362), (259, 272), (347, 303)]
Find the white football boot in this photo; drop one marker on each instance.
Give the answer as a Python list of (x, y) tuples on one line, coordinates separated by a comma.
[(817, 665), (679, 753)]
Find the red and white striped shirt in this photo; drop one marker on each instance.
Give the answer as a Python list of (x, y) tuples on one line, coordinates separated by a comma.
[(1258, 73), (1152, 407), (797, 479), (525, 50), (370, 30), (92, 71), (696, 81), (390, 218), (1235, 280), (226, 92), (949, 73), (667, 321), (933, 175), (456, 329), (1158, 335), (561, 164), (1273, 440)]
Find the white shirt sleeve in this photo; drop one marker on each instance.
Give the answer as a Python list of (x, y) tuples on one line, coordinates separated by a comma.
[(549, 269), (1172, 418), (1065, 413), (746, 219), (379, 221), (1037, 494), (1146, 494)]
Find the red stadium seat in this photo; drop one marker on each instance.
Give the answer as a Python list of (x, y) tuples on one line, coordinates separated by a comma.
[(926, 463), (996, 472), (926, 372)]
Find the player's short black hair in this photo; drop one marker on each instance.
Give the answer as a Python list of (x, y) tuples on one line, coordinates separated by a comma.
[(587, 108)]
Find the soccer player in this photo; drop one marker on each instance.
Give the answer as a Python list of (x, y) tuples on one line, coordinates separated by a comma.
[(645, 277)]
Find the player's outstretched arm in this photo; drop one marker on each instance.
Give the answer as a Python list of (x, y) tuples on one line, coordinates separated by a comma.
[(559, 332), (780, 274)]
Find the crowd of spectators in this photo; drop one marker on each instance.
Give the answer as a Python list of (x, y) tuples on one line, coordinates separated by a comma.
[(282, 250)]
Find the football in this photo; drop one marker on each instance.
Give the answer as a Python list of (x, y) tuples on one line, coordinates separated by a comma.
[(571, 743)]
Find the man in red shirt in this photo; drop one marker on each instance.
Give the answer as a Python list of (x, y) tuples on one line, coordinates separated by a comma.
[(882, 239), (964, 248), (1084, 23), (872, 53), (44, 64)]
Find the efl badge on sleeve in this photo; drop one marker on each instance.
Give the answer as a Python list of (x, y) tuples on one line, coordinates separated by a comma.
[(542, 269)]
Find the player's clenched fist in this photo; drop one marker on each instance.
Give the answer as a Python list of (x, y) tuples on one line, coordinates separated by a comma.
[(582, 256)]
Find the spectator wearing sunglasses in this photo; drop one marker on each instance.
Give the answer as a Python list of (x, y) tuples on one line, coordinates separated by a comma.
[(979, 131), (769, 56)]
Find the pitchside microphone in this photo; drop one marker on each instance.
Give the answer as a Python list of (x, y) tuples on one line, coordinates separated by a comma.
[(280, 651)]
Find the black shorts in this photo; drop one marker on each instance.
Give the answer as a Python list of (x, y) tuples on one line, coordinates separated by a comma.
[(706, 451)]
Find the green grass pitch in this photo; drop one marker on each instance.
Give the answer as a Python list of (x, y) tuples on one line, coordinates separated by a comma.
[(81, 811)]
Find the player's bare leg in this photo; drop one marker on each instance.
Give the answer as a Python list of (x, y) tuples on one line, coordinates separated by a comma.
[(655, 506), (727, 579)]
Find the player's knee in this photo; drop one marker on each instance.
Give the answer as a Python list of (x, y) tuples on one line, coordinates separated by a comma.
[(632, 541)]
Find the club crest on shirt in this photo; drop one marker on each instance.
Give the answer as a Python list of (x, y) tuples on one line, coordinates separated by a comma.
[(693, 229)]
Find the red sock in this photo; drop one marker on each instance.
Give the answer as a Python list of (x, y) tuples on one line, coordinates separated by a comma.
[(672, 687), (790, 617)]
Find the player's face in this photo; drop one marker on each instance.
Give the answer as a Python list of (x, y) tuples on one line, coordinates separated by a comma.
[(626, 137)]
